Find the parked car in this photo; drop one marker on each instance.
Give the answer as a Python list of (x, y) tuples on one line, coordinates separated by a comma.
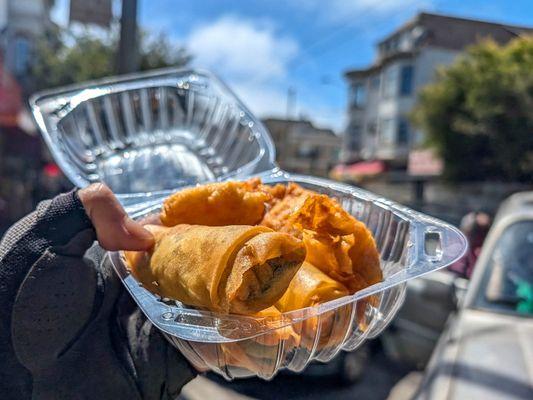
[(486, 350)]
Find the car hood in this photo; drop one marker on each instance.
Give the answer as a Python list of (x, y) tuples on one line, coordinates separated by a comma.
[(482, 356)]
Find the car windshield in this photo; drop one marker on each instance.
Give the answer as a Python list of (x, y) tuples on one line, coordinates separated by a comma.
[(508, 282)]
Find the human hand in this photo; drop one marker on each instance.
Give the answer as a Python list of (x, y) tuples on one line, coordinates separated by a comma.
[(114, 229)]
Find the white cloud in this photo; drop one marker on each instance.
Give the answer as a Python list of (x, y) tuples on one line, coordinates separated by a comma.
[(262, 99), (250, 56), (241, 47), (254, 59)]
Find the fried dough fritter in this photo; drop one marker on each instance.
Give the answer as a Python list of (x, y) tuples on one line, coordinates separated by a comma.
[(217, 204), (285, 201), (337, 243)]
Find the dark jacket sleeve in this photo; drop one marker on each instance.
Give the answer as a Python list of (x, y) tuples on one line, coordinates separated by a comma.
[(54, 223), (63, 334)]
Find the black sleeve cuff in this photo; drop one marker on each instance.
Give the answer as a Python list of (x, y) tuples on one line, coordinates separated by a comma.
[(63, 218)]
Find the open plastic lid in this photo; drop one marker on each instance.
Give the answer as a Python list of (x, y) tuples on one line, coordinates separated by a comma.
[(147, 134)]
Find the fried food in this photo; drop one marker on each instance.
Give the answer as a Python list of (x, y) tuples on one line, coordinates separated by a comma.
[(337, 244), (285, 201), (262, 251), (232, 269), (310, 286), (217, 204)]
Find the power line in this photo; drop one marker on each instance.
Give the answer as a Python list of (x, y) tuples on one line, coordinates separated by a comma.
[(348, 24), (344, 28)]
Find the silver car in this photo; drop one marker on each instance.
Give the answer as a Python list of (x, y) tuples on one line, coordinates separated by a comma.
[(486, 350)]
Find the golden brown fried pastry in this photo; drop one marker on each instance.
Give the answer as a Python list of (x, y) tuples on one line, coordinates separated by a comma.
[(217, 204), (310, 286), (337, 244), (343, 247), (277, 192), (285, 201), (238, 268)]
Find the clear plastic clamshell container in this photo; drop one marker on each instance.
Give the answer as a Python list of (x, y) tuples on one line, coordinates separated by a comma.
[(147, 135)]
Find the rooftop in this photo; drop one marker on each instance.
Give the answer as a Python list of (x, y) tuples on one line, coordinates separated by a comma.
[(442, 31), (303, 124), (456, 32)]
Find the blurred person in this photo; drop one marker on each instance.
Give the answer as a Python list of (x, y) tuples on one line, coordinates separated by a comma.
[(68, 328), (475, 226)]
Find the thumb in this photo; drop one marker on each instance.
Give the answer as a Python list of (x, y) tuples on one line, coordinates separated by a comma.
[(114, 229)]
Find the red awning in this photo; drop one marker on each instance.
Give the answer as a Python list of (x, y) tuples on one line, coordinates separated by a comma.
[(358, 170)]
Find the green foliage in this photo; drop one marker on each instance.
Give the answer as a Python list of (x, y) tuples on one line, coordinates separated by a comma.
[(62, 57), (479, 113), (158, 52)]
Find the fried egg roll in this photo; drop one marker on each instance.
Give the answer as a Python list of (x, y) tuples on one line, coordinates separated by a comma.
[(309, 287), (232, 269)]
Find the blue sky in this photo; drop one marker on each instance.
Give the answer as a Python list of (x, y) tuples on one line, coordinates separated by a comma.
[(263, 47)]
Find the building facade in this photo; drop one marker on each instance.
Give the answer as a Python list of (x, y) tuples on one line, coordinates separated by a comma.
[(22, 23), (382, 96), (303, 148)]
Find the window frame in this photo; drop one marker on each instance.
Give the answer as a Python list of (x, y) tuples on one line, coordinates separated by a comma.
[(358, 94), (402, 79), (403, 121), (354, 136)]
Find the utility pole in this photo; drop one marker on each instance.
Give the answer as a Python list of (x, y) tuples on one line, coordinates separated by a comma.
[(128, 52), (291, 101)]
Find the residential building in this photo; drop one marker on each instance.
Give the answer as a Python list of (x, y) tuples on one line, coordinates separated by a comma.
[(382, 95), (22, 23), (302, 147)]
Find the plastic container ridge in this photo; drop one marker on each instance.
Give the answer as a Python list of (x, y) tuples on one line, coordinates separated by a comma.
[(147, 135)]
